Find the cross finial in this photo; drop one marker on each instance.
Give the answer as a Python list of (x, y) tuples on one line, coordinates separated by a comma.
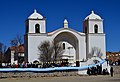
[(65, 23), (35, 10), (92, 12)]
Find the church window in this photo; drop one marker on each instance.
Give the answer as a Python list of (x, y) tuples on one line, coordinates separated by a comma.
[(37, 28), (96, 28), (63, 45)]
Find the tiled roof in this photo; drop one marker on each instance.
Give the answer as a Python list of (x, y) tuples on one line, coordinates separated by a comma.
[(20, 48)]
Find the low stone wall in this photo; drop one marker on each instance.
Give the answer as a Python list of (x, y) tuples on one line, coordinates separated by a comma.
[(30, 74), (116, 69)]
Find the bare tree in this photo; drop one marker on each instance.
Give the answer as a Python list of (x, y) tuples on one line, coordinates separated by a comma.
[(50, 51), (45, 50), (16, 42), (95, 51), (58, 50), (3, 49), (1, 45)]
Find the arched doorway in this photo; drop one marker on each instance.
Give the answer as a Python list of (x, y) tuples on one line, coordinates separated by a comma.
[(71, 39)]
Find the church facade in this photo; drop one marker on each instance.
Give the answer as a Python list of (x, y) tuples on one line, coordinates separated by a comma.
[(78, 46)]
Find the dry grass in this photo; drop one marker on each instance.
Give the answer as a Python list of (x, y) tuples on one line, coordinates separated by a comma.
[(116, 69)]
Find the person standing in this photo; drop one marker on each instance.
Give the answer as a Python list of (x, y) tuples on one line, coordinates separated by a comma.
[(111, 71)]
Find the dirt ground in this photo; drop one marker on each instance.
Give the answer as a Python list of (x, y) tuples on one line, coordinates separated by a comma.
[(99, 78)]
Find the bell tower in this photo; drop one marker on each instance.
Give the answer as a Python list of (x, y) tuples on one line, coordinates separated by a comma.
[(35, 27), (95, 36), (36, 23)]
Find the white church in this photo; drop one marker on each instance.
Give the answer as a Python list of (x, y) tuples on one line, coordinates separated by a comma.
[(85, 46)]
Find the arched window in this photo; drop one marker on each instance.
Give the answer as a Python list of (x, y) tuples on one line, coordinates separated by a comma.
[(96, 28), (63, 45), (37, 28)]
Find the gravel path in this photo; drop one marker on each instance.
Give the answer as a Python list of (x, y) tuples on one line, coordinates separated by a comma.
[(99, 78)]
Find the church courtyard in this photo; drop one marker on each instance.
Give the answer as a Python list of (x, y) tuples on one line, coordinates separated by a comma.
[(99, 78)]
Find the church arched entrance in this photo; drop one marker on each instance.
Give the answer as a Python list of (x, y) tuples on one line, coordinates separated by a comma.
[(71, 41)]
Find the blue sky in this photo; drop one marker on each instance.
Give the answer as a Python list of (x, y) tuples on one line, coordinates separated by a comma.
[(13, 14)]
